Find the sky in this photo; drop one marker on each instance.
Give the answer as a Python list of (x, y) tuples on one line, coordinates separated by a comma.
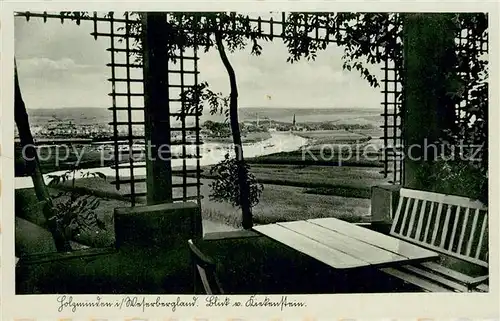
[(61, 65)]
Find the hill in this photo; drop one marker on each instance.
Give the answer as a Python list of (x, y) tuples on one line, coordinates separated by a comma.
[(88, 115)]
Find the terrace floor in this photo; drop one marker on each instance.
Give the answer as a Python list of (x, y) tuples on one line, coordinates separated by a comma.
[(255, 265)]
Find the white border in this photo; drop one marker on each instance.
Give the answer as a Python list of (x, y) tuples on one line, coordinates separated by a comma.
[(336, 306)]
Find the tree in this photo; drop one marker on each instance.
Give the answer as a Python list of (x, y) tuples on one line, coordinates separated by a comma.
[(208, 124), (30, 156), (234, 30), (218, 129), (369, 38)]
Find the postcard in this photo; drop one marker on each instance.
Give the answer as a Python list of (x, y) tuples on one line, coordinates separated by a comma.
[(249, 160)]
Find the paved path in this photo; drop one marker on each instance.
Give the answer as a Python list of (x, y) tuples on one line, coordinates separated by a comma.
[(211, 227)]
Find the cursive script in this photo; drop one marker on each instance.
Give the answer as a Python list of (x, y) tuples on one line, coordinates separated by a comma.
[(67, 302), (284, 302), (143, 303)]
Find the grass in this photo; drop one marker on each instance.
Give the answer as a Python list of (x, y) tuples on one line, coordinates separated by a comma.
[(341, 191), (316, 156), (280, 201), (345, 178)]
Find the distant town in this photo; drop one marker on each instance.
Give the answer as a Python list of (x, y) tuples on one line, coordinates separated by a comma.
[(69, 129)]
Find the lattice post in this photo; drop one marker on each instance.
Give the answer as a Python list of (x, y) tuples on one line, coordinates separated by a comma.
[(156, 108)]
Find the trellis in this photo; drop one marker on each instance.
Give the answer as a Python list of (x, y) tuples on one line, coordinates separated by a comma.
[(469, 40), (127, 96), (125, 101), (182, 74), (392, 89)]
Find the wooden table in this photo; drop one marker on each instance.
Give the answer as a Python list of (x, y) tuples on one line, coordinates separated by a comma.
[(344, 245)]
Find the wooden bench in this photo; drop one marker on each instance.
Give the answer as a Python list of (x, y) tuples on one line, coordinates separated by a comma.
[(453, 226)]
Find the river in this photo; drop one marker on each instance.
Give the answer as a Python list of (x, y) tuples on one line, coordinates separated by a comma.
[(212, 153)]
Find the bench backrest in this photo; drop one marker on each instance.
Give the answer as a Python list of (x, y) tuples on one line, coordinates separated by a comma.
[(449, 224)]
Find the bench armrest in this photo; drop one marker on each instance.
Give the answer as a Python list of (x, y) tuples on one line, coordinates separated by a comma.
[(478, 280)]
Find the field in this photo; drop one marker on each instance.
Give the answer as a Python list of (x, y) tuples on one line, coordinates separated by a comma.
[(275, 199), (348, 181), (315, 156), (303, 184), (320, 137), (278, 202), (295, 187)]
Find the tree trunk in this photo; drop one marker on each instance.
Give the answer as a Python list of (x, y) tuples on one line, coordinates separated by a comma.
[(246, 209), (33, 167)]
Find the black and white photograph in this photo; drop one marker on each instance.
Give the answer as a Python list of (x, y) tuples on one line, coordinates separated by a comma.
[(257, 153)]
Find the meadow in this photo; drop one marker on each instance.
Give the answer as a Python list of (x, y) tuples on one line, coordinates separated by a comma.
[(309, 183), (282, 200)]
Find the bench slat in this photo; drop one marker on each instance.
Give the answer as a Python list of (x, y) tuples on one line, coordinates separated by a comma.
[(413, 279), (445, 226), (412, 216), (421, 220), (436, 277), (454, 229), (443, 198), (398, 214), (405, 215), (483, 288), (436, 223), (481, 237), (429, 219), (438, 268), (472, 231), (462, 233)]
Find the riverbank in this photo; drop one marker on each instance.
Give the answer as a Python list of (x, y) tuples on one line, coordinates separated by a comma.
[(291, 191), (211, 153), (248, 138)]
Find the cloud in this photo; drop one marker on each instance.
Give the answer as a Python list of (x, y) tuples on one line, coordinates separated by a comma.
[(56, 41), (321, 83), (63, 66), (37, 65), (49, 83)]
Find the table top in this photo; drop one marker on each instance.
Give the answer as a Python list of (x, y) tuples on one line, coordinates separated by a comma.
[(344, 245)]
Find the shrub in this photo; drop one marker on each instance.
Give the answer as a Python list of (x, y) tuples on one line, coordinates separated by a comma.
[(76, 212), (225, 186), (455, 177)]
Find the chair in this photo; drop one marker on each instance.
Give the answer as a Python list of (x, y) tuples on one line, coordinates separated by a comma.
[(204, 267)]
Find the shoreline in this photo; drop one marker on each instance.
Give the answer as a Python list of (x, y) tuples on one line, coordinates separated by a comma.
[(211, 153)]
